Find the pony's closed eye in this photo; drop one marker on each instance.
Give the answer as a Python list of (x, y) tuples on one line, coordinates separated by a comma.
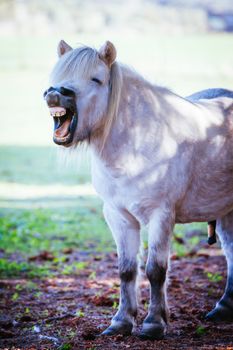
[(96, 80)]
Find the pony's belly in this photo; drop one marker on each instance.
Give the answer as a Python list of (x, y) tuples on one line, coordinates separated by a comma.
[(210, 194), (204, 209)]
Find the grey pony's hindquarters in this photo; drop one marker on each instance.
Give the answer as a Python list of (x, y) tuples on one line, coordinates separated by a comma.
[(210, 94), (224, 308)]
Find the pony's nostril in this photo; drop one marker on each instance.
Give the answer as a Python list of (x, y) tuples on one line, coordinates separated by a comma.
[(48, 91), (66, 92), (62, 90), (52, 99)]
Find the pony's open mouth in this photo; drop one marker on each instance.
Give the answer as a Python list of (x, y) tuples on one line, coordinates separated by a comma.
[(65, 122)]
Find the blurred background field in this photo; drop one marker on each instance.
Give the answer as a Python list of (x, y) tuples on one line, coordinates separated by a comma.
[(47, 203)]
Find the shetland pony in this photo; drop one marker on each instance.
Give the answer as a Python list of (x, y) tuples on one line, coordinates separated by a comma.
[(157, 159)]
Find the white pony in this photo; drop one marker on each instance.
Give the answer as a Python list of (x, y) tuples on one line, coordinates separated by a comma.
[(157, 159)]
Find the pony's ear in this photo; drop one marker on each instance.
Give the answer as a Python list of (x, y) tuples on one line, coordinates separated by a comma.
[(62, 48), (108, 53)]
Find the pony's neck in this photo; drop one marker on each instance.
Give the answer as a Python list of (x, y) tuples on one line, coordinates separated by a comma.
[(144, 109)]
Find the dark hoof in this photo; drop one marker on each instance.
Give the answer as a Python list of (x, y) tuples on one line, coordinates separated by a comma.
[(220, 314), (152, 331), (110, 331), (119, 328)]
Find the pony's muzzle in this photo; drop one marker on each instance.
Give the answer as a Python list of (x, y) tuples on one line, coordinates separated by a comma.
[(61, 103), (60, 90)]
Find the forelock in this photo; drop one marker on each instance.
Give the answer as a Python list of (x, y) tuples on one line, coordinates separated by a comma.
[(79, 62)]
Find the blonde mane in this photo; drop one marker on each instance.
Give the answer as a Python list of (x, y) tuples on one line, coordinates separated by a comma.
[(115, 85), (82, 61)]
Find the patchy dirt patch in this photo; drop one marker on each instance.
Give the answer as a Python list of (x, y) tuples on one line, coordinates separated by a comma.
[(69, 312)]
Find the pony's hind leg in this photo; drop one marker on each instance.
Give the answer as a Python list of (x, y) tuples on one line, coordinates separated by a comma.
[(223, 310), (126, 232), (160, 229)]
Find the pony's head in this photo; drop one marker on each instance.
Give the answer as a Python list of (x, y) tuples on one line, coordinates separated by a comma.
[(84, 95)]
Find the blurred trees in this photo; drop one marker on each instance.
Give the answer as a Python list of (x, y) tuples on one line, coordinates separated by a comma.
[(91, 16)]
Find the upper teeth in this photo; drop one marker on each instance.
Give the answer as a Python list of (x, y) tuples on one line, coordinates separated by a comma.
[(57, 111)]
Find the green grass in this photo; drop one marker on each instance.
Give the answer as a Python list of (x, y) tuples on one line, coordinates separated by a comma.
[(40, 165), (214, 277), (28, 231), (13, 269), (201, 330), (25, 233)]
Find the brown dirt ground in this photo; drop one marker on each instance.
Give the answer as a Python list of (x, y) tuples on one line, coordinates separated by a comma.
[(48, 318)]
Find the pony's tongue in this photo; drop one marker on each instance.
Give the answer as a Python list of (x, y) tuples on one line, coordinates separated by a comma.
[(63, 130), (64, 121)]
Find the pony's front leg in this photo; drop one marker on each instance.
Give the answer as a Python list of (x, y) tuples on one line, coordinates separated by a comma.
[(160, 229), (126, 232)]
